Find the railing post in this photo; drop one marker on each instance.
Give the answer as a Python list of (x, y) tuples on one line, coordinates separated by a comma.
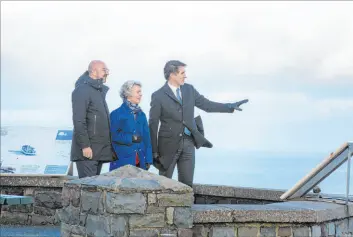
[(350, 153)]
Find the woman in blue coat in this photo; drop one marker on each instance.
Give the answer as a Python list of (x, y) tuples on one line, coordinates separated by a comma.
[(129, 129)]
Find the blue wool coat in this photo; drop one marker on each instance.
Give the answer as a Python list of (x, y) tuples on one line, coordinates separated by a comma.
[(123, 126)]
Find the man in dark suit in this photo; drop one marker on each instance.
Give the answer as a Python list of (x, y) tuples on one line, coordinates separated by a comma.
[(173, 106)]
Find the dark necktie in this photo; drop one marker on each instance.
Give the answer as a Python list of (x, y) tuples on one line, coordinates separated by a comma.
[(186, 130)]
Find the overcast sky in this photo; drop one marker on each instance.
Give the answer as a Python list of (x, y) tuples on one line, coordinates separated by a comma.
[(292, 60)]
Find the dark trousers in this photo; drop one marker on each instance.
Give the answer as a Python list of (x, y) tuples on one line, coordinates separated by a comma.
[(88, 168), (185, 161)]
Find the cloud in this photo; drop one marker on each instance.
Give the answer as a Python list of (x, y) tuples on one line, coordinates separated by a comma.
[(291, 59)]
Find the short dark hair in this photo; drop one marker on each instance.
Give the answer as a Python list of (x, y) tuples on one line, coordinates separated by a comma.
[(172, 66)]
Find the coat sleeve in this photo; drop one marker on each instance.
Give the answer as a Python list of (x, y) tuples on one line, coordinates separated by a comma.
[(118, 134), (80, 101), (154, 116), (210, 106), (147, 141)]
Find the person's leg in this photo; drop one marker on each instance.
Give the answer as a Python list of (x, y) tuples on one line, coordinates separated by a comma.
[(186, 163), (87, 168), (169, 172), (99, 167)]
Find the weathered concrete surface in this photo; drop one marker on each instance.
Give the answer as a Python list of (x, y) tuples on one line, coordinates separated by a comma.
[(284, 212), (238, 192)]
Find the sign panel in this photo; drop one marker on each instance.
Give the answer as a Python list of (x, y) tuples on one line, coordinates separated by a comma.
[(35, 151)]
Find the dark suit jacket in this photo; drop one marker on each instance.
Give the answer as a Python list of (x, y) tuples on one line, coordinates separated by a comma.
[(173, 116)]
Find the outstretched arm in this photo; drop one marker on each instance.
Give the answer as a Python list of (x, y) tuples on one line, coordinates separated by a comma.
[(210, 106)]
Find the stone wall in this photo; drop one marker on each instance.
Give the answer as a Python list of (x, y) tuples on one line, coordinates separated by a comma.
[(126, 202), (339, 228), (47, 200)]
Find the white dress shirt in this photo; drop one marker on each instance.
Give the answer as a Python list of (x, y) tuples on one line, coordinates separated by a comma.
[(174, 90)]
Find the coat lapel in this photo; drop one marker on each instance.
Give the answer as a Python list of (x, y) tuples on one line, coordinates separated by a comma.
[(170, 93)]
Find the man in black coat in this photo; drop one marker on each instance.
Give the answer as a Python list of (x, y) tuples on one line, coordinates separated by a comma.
[(173, 106), (91, 142)]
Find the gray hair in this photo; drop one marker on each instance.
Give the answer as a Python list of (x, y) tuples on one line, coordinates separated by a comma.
[(172, 66), (125, 89)]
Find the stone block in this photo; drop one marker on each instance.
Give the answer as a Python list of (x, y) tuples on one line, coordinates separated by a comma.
[(49, 199), (119, 203), (267, 232), (42, 220), (301, 231), (247, 231), (342, 227), (75, 196), (154, 209), (65, 196), (90, 202), (324, 230), (331, 228), (175, 200), (350, 225), (98, 225), (200, 231), (70, 215), (152, 198), (183, 217), (168, 232), (119, 226), (185, 233), (316, 231), (284, 232), (222, 232), (147, 221), (144, 233), (28, 208), (14, 218), (170, 215), (44, 211)]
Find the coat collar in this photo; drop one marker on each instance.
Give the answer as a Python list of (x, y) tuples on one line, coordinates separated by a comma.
[(167, 90)]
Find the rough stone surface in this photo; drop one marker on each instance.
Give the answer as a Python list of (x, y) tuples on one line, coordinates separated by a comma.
[(144, 233), (342, 227), (145, 221), (98, 225), (119, 226), (222, 232), (284, 232), (247, 231), (48, 199), (170, 215), (152, 198), (183, 217), (90, 202), (301, 231), (316, 231), (175, 200), (237, 192), (125, 203), (331, 228), (154, 209), (200, 231), (70, 215), (267, 232), (185, 233), (42, 220)]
